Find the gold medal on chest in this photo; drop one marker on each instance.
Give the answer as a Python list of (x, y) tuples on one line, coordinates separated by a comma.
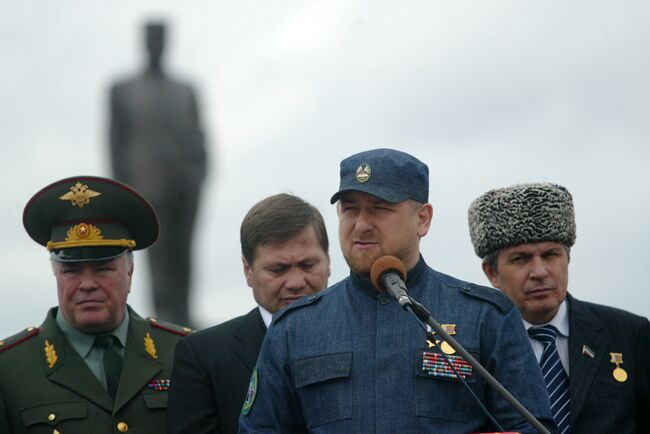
[(619, 373)]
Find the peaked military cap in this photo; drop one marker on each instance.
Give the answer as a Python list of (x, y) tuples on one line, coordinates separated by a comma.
[(522, 213), (88, 218), (388, 174)]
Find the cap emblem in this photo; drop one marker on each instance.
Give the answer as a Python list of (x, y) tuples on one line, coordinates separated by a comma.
[(363, 173), (79, 195)]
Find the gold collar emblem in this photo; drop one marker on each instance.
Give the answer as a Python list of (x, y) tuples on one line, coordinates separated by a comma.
[(50, 354), (149, 346), (79, 195), (363, 173)]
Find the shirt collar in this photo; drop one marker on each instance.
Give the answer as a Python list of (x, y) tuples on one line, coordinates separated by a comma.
[(560, 320), (266, 316), (83, 342)]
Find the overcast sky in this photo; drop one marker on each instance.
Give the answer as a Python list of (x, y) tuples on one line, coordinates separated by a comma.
[(487, 93)]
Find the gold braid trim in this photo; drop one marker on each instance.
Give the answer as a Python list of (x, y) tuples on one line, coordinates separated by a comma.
[(51, 245)]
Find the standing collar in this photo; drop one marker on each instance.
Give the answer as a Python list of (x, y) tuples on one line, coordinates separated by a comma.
[(412, 276), (83, 342)]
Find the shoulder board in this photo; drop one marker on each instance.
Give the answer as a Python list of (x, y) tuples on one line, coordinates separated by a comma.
[(18, 338), (305, 301), (170, 327), (492, 295)]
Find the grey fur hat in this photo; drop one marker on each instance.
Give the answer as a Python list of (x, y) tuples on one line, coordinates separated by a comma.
[(522, 213)]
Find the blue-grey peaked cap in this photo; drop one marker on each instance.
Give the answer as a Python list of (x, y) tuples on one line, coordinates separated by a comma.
[(522, 213), (388, 174)]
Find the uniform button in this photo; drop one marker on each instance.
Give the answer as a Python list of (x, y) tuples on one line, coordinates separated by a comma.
[(383, 300), (467, 288), (122, 427), (311, 297), (51, 417)]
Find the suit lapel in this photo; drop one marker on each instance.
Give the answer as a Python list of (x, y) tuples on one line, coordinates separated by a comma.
[(65, 367), (248, 338), (140, 361), (583, 331)]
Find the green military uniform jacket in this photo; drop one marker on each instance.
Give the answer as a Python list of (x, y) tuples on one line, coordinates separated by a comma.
[(46, 387)]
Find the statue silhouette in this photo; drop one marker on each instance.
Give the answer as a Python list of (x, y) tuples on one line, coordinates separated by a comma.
[(157, 146)]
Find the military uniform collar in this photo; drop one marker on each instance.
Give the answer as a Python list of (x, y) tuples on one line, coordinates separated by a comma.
[(83, 342), (412, 276)]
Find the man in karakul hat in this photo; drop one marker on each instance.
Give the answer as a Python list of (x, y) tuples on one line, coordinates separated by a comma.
[(94, 365), (596, 359)]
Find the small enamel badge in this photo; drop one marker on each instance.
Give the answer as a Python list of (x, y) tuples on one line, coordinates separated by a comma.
[(435, 365), (619, 373), (50, 354), (363, 173), (149, 346), (160, 385), (250, 394), (586, 351), (79, 195)]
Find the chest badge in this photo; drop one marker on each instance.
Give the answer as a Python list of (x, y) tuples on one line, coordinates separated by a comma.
[(444, 346), (619, 373)]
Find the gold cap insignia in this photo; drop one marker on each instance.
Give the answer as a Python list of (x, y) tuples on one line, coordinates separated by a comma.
[(79, 195), (149, 346), (363, 173), (50, 354)]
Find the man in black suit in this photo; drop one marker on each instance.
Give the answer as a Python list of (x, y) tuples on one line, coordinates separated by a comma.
[(524, 234), (157, 146), (285, 256)]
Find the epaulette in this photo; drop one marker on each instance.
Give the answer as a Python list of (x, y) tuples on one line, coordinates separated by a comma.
[(305, 301), (170, 327), (18, 338), (492, 295)]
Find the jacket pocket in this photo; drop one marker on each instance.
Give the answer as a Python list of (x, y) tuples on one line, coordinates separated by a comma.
[(324, 387), (155, 400), (439, 394), (67, 416)]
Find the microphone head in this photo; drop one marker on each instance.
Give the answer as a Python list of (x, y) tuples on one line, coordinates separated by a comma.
[(383, 265)]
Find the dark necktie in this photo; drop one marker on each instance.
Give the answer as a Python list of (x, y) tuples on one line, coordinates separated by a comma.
[(556, 378), (112, 362)]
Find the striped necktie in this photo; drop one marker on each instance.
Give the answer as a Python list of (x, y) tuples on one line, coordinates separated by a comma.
[(556, 378), (112, 362)]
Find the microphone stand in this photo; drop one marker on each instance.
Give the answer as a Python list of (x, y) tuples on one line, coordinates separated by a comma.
[(422, 314)]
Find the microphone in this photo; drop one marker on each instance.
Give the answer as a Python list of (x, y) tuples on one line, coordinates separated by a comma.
[(388, 275)]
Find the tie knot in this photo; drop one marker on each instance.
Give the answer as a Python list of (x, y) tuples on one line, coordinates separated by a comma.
[(545, 334), (105, 341)]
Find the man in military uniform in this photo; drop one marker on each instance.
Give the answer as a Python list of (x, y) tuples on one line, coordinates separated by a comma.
[(524, 233), (350, 360), (94, 365)]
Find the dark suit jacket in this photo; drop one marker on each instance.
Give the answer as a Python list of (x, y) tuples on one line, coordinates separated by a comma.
[(599, 403), (45, 385), (211, 376)]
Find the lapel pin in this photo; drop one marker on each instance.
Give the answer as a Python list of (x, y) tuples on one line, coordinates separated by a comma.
[(586, 351)]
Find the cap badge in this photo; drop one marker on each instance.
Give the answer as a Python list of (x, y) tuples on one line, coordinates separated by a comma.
[(79, 195), (50, 354), (363, 173), (149, 346), (619, 373)]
